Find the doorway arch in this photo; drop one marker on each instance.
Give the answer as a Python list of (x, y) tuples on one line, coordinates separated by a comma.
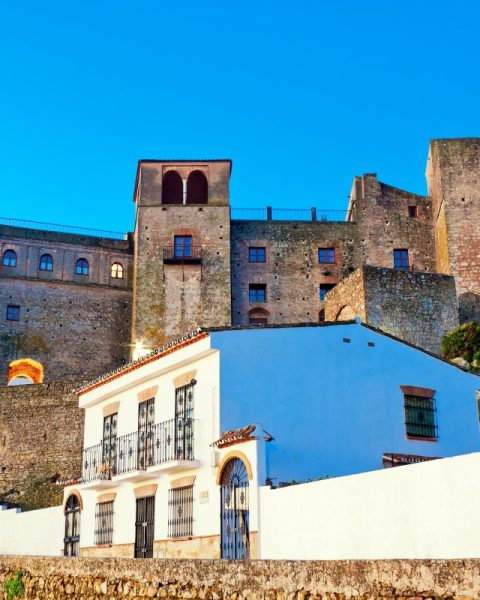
[(71, 541), (234, 510)]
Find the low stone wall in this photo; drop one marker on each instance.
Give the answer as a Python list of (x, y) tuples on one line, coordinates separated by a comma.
[(92, 579)]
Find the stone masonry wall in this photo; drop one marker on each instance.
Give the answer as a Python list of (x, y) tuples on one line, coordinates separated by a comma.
[(416, 307), (41, 437), (93, 579), (292, 272)]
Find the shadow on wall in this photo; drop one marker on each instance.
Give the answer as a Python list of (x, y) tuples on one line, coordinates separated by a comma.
[(469, 307)]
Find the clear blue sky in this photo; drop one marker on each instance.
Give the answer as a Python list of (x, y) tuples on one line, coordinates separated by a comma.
[(301, 96)]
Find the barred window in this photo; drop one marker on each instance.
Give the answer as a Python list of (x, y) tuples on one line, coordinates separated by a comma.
[(420, 417), (104, 523), (180, 511)]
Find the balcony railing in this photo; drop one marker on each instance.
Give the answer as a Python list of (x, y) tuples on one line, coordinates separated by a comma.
[(188, 255), (136, 451), (315, 215)]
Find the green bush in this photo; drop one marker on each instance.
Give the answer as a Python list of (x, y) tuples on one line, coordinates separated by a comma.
[(463, 341), (13, 586)]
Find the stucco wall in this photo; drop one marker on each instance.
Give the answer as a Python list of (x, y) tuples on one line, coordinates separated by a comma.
[(425, 510), (37, 532)]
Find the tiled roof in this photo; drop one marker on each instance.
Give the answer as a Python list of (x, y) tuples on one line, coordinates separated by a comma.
[(235, 435)]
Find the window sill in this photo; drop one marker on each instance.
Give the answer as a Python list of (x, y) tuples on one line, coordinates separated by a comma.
[(421, 439)]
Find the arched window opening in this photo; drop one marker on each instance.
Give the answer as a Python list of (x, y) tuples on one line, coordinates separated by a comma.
[(172, 188), (235, 535), (197, 188), (116, 271), (46, 262), (81, 267), (258, 317), (71, 541), (9, 258)]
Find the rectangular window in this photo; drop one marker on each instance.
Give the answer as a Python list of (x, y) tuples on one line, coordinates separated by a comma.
[(413, 212), (180, 511), (103, 523), (324, 288), (256, 254), (326, 255), (400, 259), (257, 321), (183, 246), (257, 292), (420, 417), (13, 312)]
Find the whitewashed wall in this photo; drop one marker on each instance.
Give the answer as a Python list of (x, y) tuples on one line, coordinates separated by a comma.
[(426, 510), (36, 532)]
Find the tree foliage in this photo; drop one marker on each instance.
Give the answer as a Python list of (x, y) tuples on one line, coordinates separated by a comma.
[(463, 342)]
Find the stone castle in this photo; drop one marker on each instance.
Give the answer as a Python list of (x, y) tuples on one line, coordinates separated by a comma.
[(82, 303)]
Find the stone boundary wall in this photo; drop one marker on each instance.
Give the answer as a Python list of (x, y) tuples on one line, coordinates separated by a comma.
[(92, 579)]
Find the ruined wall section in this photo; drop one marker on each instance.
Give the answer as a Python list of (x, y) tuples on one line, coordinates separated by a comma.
[(41, 436), (453, 175), (384, 224), (291, 272), (348, 299)]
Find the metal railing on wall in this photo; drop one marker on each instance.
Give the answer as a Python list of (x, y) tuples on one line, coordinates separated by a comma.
[(315, 215), (55, 227)]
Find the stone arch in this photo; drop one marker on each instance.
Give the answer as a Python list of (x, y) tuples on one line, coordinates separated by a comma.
[(258, 316), (25, 368), (197, 188), (346, 313), (172, 188)]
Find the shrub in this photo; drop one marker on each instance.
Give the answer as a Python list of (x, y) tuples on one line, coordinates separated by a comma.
[(463, 341), (13, 586)]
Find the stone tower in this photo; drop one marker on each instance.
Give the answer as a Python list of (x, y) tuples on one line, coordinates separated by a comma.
[(453, 177), (182, 249)]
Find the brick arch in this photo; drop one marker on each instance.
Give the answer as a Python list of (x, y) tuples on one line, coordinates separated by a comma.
[(25, 367), (346, 313), (172, 188), (197, 188)]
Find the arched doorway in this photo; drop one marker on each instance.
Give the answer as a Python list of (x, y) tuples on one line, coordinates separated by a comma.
[(234, 513), (71, 541)]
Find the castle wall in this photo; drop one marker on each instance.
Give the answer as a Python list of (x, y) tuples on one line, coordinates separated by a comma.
[(454, 184), (292, 271), (41, 437)]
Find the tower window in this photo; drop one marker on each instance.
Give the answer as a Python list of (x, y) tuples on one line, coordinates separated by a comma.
[(326, 255), (81, 267), (413, 212), (256, 254), (13, 312), (182, 246), (116, 271), (46, 263), (257, 292), (400, 259), (9, 258), (172, 188), (197, 188), (324, 288)]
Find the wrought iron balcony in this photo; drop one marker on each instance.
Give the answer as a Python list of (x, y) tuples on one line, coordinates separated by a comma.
[(188, 255), (137, 451)]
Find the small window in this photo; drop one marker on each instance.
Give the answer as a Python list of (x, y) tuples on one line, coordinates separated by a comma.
[(81, 267), (9, 258), (321, 316), (46, 263), (13, 312), (326, 255), (103, 523), (420, 417), (400, 259), (116, 271), (256, 254), (324, 288), (413, 212), (183, 246), (257, 321), (180, 511), (257, 292)]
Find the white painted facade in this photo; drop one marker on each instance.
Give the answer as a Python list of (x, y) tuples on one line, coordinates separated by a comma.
[(35, 533)]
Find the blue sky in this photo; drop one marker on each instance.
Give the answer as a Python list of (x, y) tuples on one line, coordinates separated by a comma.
[(301, 96)]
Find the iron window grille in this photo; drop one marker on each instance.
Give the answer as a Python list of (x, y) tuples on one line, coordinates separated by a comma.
[(400, 259), (13, 312), (109, 448), (324, 288), (326, 255), (180, 511), (184, 422), (71, 541), (256, 254), (9, 258), (420, 418), (46, 263), (116, 271), (257, 292), (81, 267), (103, 523)]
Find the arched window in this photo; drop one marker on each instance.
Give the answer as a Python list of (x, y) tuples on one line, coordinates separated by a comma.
[(258, 316), (81, 268), (197, 188), (172, 188), (116, 271), (9, 258), (235, 536), (71, 541), (46, 263)]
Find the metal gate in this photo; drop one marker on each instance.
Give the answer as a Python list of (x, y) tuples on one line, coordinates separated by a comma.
[(144, 527), (71, 541), (234, 515), (146, 418)]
